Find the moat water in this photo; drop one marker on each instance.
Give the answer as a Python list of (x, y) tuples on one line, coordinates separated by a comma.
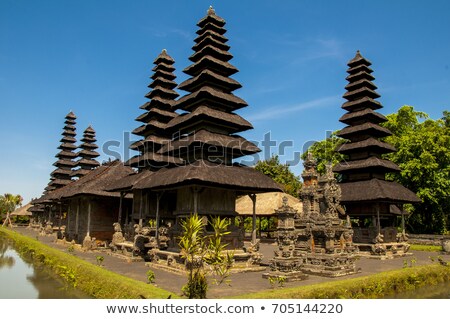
[(20, 279)]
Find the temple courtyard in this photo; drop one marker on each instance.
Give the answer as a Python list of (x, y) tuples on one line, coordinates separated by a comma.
[(241, 283)]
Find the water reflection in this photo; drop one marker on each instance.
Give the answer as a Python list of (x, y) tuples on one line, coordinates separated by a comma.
[(5, 261), (22, 280)]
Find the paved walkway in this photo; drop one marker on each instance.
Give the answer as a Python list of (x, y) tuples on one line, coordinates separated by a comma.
[(241, 283)]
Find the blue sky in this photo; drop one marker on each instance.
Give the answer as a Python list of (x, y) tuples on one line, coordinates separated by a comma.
[(95, 57)]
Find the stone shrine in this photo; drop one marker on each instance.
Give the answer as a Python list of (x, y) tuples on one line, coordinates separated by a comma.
[(316, 241)]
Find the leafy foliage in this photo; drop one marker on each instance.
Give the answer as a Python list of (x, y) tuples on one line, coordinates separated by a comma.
[(324, 152), (204, 254), (280, 173), (423, 154), (8, 203)]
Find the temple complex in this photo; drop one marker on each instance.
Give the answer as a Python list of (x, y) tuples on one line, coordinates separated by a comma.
[(87, 154), (371, 201)]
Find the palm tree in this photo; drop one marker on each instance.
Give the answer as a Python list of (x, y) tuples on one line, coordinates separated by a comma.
[(8, 203)]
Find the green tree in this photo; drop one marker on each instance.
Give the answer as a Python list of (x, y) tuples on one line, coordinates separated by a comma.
[(204, 254), (423, 154), (324, 152), (8, 203), (281, 174)]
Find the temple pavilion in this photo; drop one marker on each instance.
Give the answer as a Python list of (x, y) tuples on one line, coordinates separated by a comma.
[(188, 166), (372, 201)]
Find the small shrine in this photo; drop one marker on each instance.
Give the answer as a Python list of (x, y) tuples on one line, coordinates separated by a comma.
[(315, 241)]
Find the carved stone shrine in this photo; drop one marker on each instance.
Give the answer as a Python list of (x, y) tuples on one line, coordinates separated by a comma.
[(317, 241)]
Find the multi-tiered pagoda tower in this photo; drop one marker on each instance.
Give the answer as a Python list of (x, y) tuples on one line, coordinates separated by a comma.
[(366, 193), (207, 182), (62, 175), (159, 111), (206, 131), (88, 153)]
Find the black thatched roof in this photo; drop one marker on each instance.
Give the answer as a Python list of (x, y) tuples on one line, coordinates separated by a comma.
[(153, 159), (376, 190), (364, 129), (87, 153), (212, 97), (368, 144), (371, 162), (126, 183), (158, 113), (364, 148), (239, 178), (233, 123), (94, 183), (231, 143), (62, 175), (366, 114)]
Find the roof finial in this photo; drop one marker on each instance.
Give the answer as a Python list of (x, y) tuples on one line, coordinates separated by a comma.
[(358, 54), (211, 11), (164, 51)]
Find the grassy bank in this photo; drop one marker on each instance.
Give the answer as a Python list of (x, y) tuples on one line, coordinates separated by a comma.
[(91, 279), (426, 248), (373, 286)]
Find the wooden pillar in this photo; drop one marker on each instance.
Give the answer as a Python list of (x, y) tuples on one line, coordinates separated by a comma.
[(403, 219), (195, 189), (140, 208), (260, 228), (253, 198), (68, 218), (158, 197), (120, 208), (60, 216), (77, 218), (89, 219), (378, 219)]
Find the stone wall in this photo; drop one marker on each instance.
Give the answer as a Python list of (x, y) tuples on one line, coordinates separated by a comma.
[(425, 239)]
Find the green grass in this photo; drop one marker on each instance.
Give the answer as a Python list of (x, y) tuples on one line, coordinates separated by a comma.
[(426, 248), (373, 286), (88, 278)]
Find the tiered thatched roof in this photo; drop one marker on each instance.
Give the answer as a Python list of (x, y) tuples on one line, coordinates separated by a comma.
[(87, 154), (205, 130), (364, 170), (62, 175), (158, 112)]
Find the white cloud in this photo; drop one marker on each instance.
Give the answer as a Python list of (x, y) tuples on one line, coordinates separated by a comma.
[(282, 110)]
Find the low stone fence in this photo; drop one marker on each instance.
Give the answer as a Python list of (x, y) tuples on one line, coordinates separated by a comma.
[(424, 239)]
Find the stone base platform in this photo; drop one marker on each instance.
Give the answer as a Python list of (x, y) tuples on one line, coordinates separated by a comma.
[(289, 276), (172, 261), (383, 251)]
